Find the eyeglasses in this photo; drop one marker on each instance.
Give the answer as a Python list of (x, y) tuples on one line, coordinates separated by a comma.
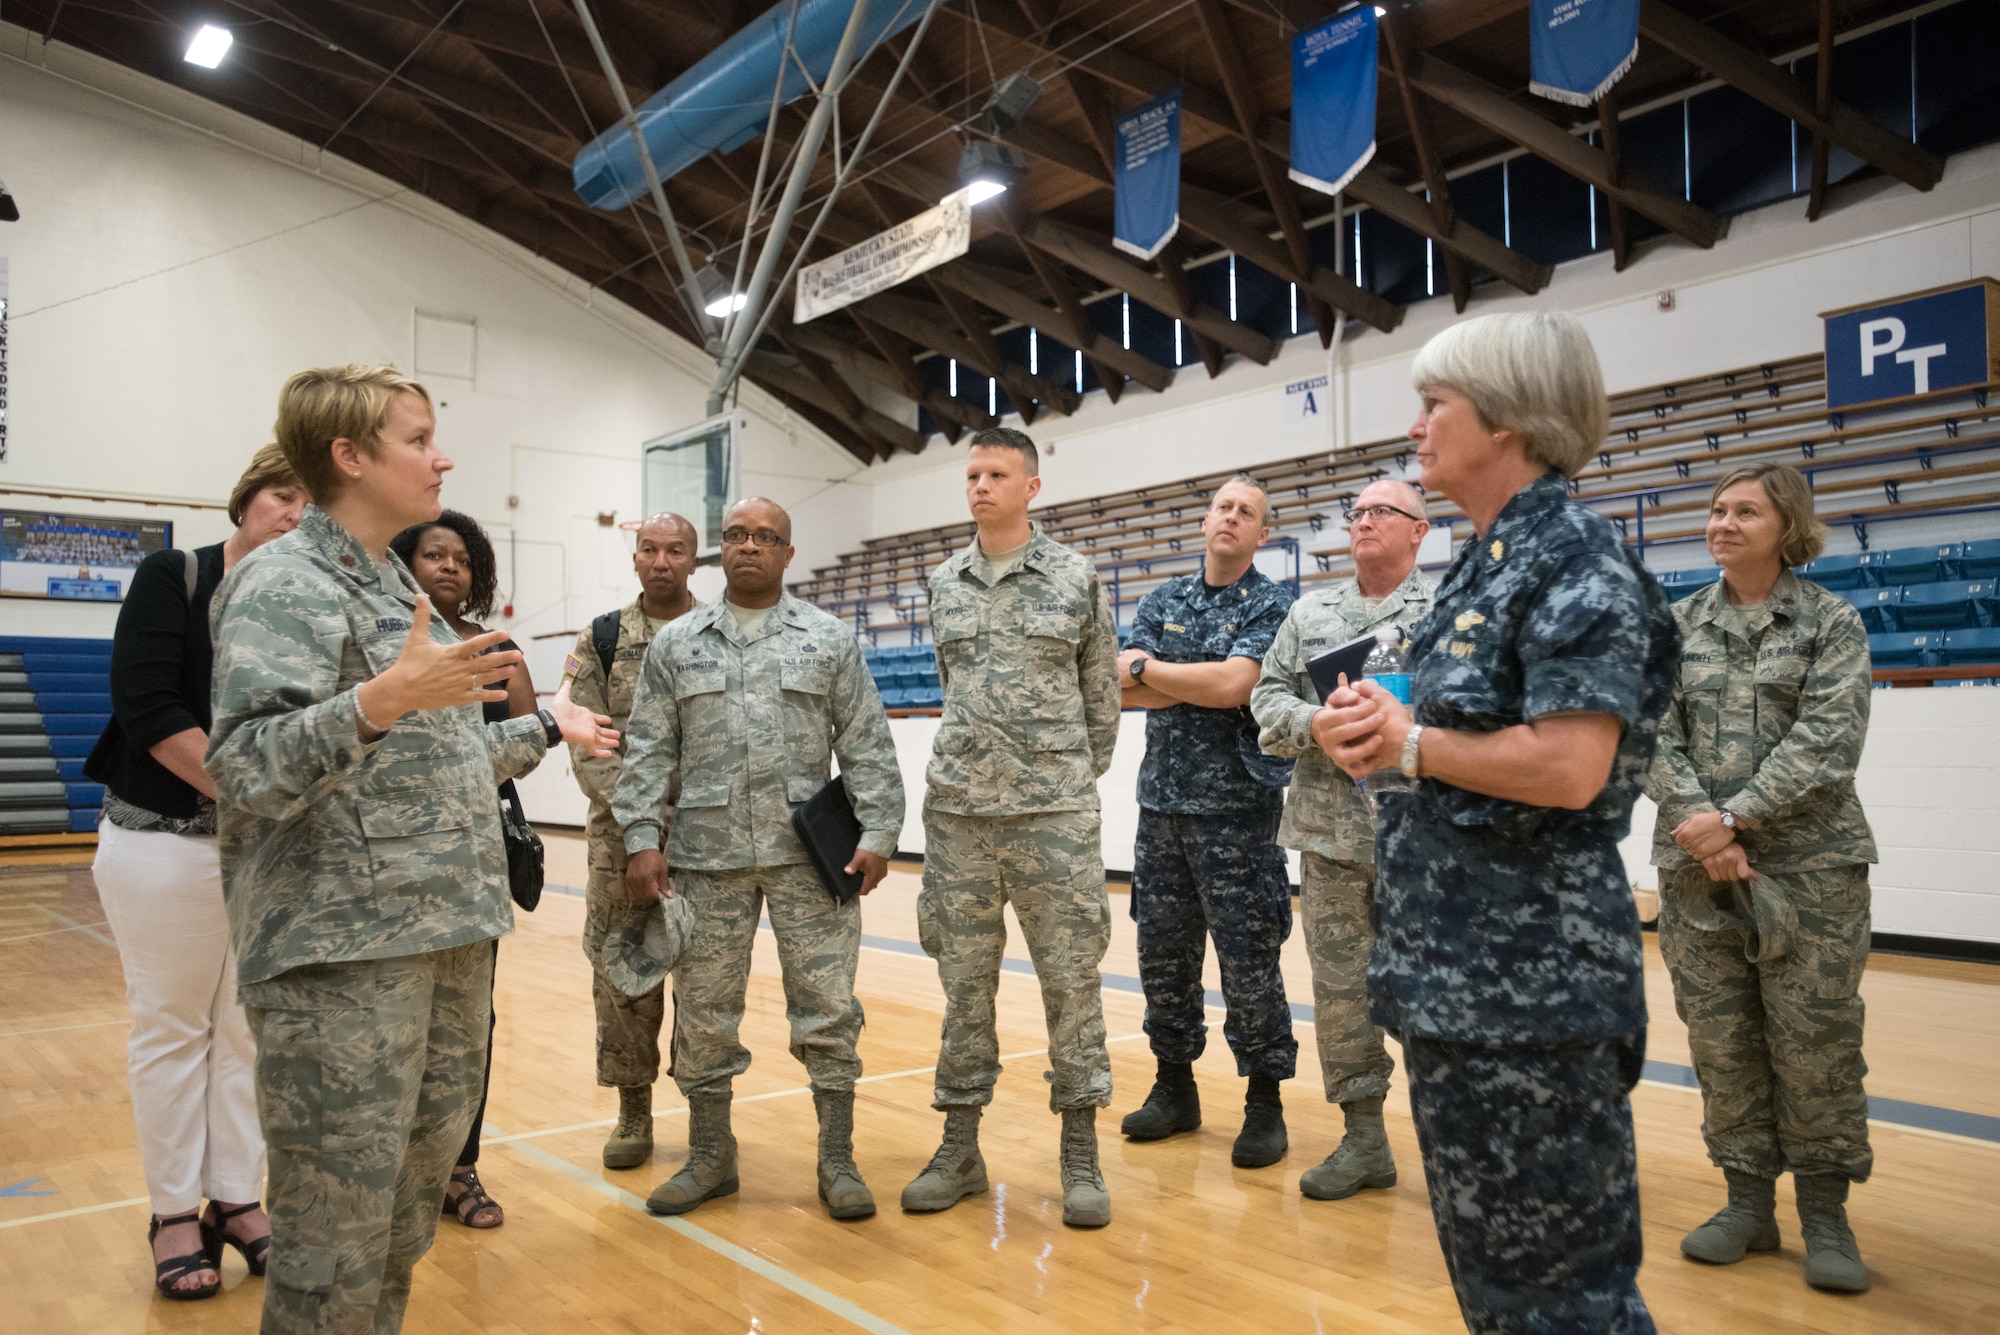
[(763, 537), (1373, 513)]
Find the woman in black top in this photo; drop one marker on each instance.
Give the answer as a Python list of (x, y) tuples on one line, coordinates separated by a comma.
[(453, 562), (160, 882)]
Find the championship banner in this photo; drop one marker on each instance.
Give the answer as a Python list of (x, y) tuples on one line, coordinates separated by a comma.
[(1333, 100), (879, 263), (1148, 180), (1578, 48)]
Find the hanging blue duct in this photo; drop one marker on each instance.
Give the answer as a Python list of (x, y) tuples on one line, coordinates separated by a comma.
[(724, 100)]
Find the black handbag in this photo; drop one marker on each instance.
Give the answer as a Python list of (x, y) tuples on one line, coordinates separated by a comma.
[(524, 852)]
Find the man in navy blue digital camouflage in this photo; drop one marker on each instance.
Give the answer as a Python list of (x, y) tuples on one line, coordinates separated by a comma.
[(1207, 861), (1508, 960)]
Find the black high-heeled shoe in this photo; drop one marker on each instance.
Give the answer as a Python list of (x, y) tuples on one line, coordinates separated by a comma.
[(214, 1234), (170, 1272)]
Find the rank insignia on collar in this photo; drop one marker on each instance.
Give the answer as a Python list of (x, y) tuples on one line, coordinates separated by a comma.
[(1467, 620), (1497, 550)]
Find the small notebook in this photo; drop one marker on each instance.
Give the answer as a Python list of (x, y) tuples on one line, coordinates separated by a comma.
[(826, 824), (1348, 658)]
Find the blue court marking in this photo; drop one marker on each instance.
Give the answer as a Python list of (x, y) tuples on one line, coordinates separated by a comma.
[(1895, 1112), (21, 1189)]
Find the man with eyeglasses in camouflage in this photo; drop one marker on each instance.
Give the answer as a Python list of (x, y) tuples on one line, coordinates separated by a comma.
[(1329, 821), (750, 698)]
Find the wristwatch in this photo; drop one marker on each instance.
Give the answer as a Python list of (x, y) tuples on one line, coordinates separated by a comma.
[(551, 730), (1139, 668), (1728, 819), (1408, 759)]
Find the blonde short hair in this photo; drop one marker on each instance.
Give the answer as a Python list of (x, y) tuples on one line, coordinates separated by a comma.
[(1791, 496), (1532, 372), (318, 407), (268, 468)]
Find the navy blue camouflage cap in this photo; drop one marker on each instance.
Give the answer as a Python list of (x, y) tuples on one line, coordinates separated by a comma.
[(643, 946)]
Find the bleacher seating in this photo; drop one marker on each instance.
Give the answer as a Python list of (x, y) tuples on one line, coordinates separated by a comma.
[(55, 698), (1933, 457)]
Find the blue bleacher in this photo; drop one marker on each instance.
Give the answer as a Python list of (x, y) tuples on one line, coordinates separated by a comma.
[(1874, 605), (1979, 645), (1680, 583), (1979, 560), (71, 683), (1839, 573), (1906, 649), (1912, 565), (1952, 605)]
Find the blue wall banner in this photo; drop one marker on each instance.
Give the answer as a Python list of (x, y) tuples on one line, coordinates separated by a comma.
[(1333, 100), (1578, 48), (1928, 341), (1149, 176)]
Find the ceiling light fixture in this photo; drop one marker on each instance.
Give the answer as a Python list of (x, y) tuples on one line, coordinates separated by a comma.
[(986, 168), (209, 45), (727, 304)]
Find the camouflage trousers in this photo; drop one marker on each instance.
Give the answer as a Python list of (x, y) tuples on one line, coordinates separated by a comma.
[(367, 1074), (1337, 901), (1533, 1182), (1050, 867), (1223, 876), (1777, 1044), (819, 946), (628, 1028)]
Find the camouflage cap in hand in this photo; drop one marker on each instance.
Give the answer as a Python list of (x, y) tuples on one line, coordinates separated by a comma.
[(642, 947)]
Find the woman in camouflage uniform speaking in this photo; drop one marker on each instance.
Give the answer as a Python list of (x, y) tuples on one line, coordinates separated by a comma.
[(362, 864), (1763, 853)]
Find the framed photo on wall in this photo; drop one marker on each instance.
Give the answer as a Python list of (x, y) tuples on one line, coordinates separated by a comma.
[(81, 558)]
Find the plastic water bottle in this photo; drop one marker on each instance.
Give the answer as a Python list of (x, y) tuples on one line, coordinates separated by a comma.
[(1388, 667)]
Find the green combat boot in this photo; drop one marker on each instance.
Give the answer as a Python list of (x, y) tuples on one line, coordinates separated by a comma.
[(1262, 1142), (1833, 1258), (1749, 1223), (1086, 1204), (1362, 1158), (1174, 1105), (631, 1142), (841, 1189), (955, 1171), (710, 1170)]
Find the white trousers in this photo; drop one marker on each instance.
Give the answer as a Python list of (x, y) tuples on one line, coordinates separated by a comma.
[(191, 1057)]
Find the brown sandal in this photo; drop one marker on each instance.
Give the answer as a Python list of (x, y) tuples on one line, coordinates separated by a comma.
[(472, 1206)]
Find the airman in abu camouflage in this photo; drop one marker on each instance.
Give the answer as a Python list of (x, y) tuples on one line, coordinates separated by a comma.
[(750, 699), (362, 863), (1763, 852), (1331, 824), (628, 1028), (1027, 657)]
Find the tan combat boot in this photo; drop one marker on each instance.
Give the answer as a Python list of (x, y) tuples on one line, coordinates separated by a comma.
[(1749, 1223), (956, 1171), (841, 1189), (631, 1142), (710, 1170), (1362, 1159), (1086, 1202)]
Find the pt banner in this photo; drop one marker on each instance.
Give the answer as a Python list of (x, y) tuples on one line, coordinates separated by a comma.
[(1333, 100), (1149, 176), (1578, 48)]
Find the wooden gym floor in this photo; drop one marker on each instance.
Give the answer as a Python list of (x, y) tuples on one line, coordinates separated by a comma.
[(1194, 1243)]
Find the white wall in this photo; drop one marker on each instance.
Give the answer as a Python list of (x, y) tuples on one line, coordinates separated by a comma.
[(175, 262)]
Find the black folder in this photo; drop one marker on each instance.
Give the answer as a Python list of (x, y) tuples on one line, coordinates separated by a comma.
[(1326, 669), (826, 824)]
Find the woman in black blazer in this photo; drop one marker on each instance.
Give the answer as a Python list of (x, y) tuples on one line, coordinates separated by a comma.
[(159, 880)]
